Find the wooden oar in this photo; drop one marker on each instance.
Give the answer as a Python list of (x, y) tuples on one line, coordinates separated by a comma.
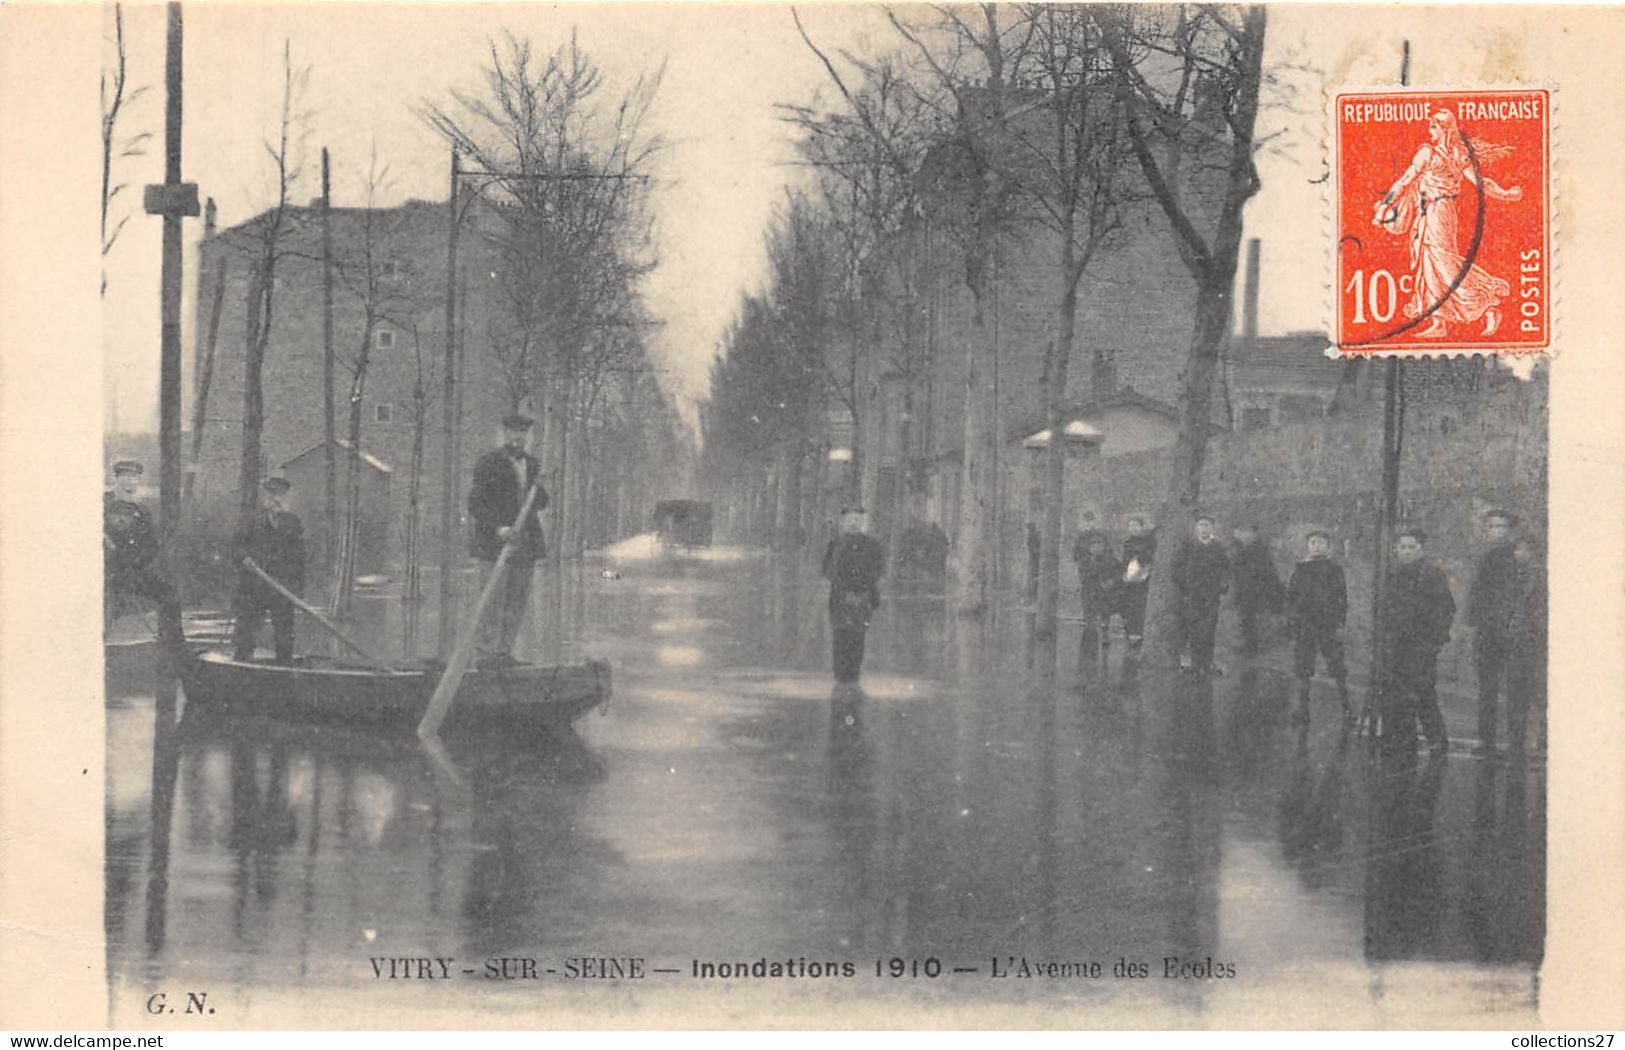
[(331, 628), (446, 692)]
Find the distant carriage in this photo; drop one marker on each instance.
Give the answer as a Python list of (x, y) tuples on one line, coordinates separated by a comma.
[(683, 522)]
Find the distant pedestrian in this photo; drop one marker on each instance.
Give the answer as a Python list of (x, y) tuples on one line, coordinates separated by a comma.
[(503, 478), (853, 564), (1318, 606), (130, 563), (1201, 575), (1100, 581), (275, 540), (1139, 550), (1255, 585), (1489, 614), (1417, 609), (1526, 657)]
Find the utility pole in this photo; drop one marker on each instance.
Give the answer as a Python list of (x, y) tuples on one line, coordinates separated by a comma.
[(330, 511), (174, 200), (448, 408), (1393, 440)]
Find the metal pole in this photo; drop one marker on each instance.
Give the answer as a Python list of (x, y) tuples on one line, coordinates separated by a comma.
[(449, 415)]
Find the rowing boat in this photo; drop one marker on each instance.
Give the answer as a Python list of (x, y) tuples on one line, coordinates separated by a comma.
[(323, 690)]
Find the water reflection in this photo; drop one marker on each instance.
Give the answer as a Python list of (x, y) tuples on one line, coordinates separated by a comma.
[(730, 805)]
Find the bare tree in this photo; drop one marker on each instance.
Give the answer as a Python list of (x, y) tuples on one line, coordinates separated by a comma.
[(419, 410), (381, 305), (116, 95), (264, 241), (1192, 77)]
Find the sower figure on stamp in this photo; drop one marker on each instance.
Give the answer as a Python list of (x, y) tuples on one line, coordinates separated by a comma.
[(853, 564), (129, 546), (1100, 580), (1138, 551), (1201, 574), (502, 479), (1417, 610), (1489, 614), (276, 542), (1526, 657), (1255, 585), (1318, 605)]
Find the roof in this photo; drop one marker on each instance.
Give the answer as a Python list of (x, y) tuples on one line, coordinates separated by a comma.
[(1297, 359), (1123, 397), (366, 457)]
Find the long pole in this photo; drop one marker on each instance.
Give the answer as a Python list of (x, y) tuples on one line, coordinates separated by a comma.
[(169, 373), (448, 444), (305, 607), (446, 692)]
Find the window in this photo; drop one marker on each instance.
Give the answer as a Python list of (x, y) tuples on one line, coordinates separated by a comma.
[(383, 413), (1255, 418), (383, 339)]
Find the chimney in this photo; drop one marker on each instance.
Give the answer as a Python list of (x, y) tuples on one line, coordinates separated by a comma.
[(1249, 306)]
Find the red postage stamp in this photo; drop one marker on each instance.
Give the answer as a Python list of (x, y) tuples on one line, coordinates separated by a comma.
[(1443, 221)]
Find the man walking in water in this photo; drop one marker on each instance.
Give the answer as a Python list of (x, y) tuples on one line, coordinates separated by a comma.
[(853, 564)]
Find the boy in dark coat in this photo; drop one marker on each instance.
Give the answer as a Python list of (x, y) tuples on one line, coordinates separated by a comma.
[(1255, 585), (502, 479), (1100, 578), (1526, 657), (1417, 610), (1201, 574), (853, 564), (1489, 611), (276, 542), (1138, 551), (1318, 605)]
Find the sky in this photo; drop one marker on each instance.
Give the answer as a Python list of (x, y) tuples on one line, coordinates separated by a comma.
[(725, 170)]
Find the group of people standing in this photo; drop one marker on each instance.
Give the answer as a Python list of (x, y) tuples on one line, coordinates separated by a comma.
[(1506, 609)]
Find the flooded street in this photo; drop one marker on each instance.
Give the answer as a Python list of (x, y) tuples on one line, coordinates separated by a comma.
[(994, 833)]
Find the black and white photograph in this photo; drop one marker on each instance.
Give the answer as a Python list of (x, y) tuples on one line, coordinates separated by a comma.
[(831, 516)]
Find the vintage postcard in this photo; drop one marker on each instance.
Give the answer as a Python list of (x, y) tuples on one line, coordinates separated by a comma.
[(837, 516)]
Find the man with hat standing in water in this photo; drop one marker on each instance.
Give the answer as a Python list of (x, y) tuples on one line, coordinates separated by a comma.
[(129, 545), (502, 479), (853, 563), (276, 542)]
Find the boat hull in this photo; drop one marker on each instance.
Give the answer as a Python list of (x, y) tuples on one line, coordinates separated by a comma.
[(511, 699)]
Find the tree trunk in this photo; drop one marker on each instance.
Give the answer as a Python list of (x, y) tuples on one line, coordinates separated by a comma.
[(970, 546), (200, 398), (1057, 368), (352, 495), (330, 505), (248, 476), (788, 526)]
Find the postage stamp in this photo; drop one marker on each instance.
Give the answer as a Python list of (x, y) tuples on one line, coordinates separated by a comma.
[(1442, 213)]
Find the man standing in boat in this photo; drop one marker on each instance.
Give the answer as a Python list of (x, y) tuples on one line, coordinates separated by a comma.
[(502, 479), (129, 545), (276, 542)]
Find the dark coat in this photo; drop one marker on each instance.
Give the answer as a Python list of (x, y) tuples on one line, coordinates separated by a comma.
[(1494, 591), (1526, 627), (1317, 595), (1418, 609), (1255, 583), (276, 542), (1201, 572), (128, 526), (1100, 577), (853, 564), (494, 501)]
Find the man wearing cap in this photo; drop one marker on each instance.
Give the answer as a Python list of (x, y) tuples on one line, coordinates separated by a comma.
[(502, 479), (853, 563), (1201, 574), (276, 541), (1489, 612), (129, 545), (1417, 609)]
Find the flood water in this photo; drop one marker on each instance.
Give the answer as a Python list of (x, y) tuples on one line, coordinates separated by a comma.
[(960, 817)]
